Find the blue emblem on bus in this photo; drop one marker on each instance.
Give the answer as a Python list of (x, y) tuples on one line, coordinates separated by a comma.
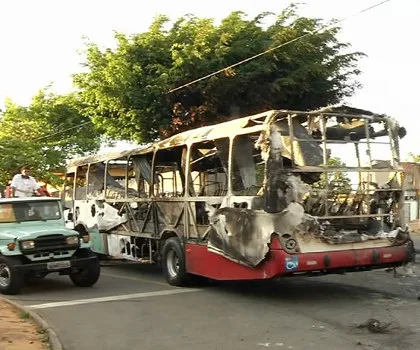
[(291, 263)]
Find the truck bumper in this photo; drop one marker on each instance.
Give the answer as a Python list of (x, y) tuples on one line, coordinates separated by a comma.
[(45, 267)]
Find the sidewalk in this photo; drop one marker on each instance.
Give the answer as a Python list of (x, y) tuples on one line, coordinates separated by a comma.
[(18, 331), (21, 329)]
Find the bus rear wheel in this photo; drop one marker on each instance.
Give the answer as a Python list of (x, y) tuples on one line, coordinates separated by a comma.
[(174, 267)]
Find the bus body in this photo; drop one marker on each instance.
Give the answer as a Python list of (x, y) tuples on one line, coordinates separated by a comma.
[(274, 194)]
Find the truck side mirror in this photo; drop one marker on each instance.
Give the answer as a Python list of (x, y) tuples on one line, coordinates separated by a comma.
[(70, 217)]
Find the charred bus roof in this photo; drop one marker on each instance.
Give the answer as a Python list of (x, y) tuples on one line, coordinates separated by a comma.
[(350, 125)]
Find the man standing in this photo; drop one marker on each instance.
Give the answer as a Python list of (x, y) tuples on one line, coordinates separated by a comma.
[(23, 185)]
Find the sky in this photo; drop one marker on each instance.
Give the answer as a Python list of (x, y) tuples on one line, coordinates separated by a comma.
[(42, 43)]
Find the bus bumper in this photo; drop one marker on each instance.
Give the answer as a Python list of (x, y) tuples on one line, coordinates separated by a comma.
[(201, 261)]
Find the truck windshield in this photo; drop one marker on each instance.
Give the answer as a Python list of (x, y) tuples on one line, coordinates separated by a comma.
[(29, 211)]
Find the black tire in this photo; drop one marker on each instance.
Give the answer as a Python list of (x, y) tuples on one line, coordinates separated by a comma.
[(88, 275), (11, 280), (174, 263)]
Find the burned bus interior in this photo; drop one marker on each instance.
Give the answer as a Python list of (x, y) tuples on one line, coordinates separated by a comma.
[(318, 180)]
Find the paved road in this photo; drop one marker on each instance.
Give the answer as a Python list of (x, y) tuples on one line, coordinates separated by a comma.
[(133, 307)]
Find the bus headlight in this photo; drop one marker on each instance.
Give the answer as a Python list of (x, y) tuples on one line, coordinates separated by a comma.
[(27, 244), (72, 240)]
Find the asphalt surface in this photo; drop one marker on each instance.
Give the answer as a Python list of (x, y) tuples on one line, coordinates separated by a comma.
[(132, 307)]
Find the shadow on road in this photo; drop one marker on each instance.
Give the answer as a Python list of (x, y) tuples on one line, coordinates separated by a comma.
[(296, 289), (299, 288)]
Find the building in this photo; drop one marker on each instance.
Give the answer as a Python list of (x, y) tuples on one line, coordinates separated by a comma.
[(412, 194)]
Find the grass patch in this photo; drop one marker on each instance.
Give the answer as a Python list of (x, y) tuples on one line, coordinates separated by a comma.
[(24, 315), (43, 334)]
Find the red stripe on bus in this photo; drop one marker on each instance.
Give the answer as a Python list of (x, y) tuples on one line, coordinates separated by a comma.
[(201, 261)]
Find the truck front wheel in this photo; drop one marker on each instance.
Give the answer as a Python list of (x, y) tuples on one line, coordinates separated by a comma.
[(88, 275), (11, 280)]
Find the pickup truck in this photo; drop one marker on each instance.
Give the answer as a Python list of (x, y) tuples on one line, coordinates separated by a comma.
[(34, 242)]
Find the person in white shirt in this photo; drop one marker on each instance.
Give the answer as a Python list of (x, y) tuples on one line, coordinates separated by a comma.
[(24, 185)]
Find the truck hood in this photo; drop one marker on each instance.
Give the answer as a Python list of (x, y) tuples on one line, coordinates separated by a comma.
[(33, 230)]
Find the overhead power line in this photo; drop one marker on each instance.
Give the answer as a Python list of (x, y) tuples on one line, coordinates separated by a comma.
[(238, 63), (50, 135), (62, 131), (278, 46)]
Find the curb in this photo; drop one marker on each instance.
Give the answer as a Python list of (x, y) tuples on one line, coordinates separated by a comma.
[(53, 340)]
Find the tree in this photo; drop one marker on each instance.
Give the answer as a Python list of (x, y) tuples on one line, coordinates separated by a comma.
[(126, 89), (43, 135), (414, 158), (337, 181)]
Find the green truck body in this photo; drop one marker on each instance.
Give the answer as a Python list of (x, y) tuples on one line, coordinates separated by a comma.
[(34, 242)]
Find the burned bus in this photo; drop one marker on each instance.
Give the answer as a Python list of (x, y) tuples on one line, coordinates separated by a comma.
[(275, 194)]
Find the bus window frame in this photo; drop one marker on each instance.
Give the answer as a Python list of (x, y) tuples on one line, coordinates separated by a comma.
[(183, 167), (86, 180), (232, 164), (228, 170)]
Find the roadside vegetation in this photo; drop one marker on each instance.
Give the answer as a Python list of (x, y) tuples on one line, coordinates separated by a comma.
[(130, 92)]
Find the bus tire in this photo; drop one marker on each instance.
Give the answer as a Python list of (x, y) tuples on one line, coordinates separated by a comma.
[(11, 280), (173, 263), (88, 275)]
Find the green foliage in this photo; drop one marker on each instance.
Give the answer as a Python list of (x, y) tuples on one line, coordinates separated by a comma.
[(334, 181), (126, 89), (23, 315), (34, 135), (414, 158)]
